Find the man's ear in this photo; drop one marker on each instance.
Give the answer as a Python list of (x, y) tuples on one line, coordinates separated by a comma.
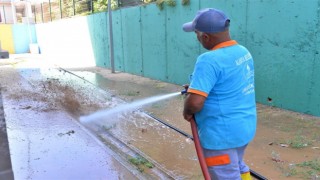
[(205, 37)]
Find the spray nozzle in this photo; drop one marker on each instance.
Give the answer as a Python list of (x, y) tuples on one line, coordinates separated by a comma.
[(184, 91), (186, 86)]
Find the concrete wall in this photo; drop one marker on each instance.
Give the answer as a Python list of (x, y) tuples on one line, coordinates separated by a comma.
[(283, 37), (6, 38), (23, 35), (16, 38), (150, 42), (66, 42)]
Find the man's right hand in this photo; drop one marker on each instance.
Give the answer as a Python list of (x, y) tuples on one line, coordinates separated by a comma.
[(186, 86), (193, 103), (187, 117)]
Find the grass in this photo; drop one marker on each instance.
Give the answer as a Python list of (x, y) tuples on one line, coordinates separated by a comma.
[(291, 171), (299, 141), (160, 85), (156, 105), (305, 170), (136, 93), (130, 93), (311, 169), (140, 163), (185, 2), (313, 165)]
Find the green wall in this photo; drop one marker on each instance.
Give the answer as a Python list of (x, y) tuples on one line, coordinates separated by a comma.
[(147, 42), (282, 35), (97, 25), (284, 39)]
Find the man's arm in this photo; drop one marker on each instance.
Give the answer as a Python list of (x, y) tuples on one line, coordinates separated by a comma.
[(192, 104)]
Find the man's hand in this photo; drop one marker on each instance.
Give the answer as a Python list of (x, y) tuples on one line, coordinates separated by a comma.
[(187, 117), (192, 104), (186, 86)]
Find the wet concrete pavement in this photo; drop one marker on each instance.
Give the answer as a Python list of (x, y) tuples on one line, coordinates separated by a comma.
[(45, 141), (42, 107), (52, 146), (5, 163)]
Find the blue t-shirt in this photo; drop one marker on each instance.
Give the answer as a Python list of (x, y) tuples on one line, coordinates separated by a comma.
[(225, 76)]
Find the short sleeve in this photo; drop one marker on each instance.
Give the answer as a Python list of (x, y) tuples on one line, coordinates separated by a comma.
[(204, 77)]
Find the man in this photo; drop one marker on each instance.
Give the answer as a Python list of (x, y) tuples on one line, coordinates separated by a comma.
[(221, 96)]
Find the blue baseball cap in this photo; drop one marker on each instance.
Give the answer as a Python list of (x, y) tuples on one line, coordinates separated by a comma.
[(208, 20)]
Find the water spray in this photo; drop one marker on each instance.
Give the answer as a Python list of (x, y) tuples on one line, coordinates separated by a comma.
[(102, 114)]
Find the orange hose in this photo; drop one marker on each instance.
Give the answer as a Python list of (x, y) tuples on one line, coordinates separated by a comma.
[(200, 155)]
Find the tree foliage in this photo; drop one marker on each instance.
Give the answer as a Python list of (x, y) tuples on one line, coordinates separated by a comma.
[(102, 5)]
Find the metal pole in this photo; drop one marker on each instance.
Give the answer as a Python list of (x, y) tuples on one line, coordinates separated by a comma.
[(26, 5), (111, 37), (60, 9), (4, 16), (13, 12), (41, 13), (74, 7), (50, 10), (35, 13), (92, 6)]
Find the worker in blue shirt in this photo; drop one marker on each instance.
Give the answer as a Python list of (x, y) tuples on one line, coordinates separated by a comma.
[(221, 96)]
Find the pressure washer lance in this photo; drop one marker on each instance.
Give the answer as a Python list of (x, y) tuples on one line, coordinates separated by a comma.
[(184, 92), (198, 147)]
